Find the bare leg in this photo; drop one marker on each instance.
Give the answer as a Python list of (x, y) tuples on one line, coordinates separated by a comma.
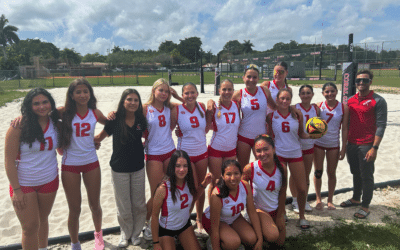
[(92, 182), (46, 202), (155, 173), (188, 239), (243, 153), (332, 158), (319, 156), (299, 177), (201, 171), (72, 187)]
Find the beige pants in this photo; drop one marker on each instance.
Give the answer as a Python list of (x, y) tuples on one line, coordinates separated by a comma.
[(129, 191)]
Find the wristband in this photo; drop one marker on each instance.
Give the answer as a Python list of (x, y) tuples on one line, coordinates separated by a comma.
[(156, 242), (375, 147)]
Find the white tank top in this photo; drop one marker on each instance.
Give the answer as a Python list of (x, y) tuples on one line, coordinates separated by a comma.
[(285, 129), (193, 128), (232, 206), (273, 88), (254, 113), (265, 187), (159, 140), (226, 127), (81, 151), (334, 119), (174, 216), (38, 165), (307, 114)]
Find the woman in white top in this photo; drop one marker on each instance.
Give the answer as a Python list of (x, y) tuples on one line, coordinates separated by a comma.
[(34, 180), (253, 101), (79, 118), (336, 115)]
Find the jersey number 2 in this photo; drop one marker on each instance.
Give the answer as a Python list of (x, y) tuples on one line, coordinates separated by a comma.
[(184, 199)]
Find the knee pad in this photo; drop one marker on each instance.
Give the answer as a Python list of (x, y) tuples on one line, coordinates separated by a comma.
[(318, 174)]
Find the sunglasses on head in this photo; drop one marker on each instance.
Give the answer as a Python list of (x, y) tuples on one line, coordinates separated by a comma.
[(252, 66), (364, 80)]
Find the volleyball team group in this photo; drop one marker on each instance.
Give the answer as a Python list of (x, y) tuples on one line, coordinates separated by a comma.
[(258, 119)]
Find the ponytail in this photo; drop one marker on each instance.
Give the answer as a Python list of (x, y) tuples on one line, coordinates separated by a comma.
[(198, 108)]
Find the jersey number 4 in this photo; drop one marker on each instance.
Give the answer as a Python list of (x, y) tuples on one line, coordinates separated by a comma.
[(270, 186), (239, 208), (82, 129)]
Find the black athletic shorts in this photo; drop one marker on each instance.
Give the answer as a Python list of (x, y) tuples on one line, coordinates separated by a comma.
[(172, 233)]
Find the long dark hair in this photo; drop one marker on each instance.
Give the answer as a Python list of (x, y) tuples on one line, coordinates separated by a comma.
[(70, 110), (271, 142), (197, 105), (121, 115), (170, 175), (30, 127), (223, 189)]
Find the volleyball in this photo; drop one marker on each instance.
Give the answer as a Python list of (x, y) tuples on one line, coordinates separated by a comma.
[(316, 126)]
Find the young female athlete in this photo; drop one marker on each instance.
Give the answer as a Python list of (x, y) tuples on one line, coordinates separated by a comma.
[(31, 166), (308, 111), (191, 120), (268, 179), (336, 115), (225, 124), (279, 82), (79, 118), (127, 164), (286, 125), (174, 198), (223, 220), (253, 101)]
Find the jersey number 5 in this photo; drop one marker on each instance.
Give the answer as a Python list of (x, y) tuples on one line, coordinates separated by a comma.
[(237, 209), (254, 104), (184, 199), (85, 128)]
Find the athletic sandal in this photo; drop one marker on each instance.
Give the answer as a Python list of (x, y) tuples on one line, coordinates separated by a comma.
[(303, 224), (361, 212), (349, 203)]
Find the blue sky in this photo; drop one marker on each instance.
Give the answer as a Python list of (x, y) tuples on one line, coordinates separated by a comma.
[(91, 26)]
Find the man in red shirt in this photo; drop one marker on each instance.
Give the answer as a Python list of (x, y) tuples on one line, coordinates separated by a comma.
[(368, 118)]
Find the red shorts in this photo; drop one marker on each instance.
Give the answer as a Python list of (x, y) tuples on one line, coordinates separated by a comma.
[(290, 160), (80, 169), (206, 223), (246, 140), (195, 159), (220, 154), (47, 188), (160, 158), (308, 151), (327, 149), (273, 213)]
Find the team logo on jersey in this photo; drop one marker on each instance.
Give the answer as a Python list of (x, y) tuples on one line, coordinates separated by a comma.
[(182, 112), (273, 87), (258, 173), (151, 111), (245, 95), (276, 117), (226, 201), (367, 102)]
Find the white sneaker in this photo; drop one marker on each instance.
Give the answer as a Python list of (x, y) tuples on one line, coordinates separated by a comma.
[(295, 207), (123, 242), (147, 232), (136, 241), (308, 207), (241, 247)]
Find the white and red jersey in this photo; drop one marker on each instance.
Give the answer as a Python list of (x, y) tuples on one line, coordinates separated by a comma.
[(273, 89), (37, 165), (265, 187), (334, 119), (225, 127), (159, 140), (232, 206), (254, 113), (286, 132), (307, 114), (174, 216), (81, 151), (193, 128)]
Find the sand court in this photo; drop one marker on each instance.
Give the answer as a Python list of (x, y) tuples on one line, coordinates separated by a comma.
[(386, 166)]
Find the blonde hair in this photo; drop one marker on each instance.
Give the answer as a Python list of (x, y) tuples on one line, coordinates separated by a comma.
[(157, 84)]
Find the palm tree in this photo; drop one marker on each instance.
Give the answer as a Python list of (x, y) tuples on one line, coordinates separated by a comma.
[(247, 46), (7, 34)]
